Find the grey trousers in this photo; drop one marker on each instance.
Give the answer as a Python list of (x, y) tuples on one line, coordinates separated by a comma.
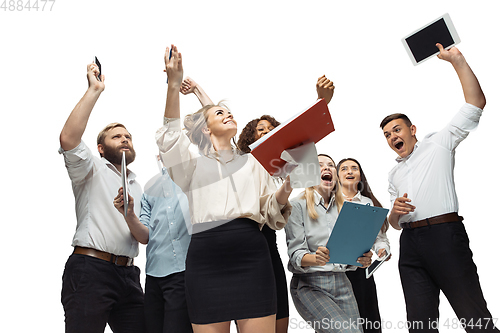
[(326, 302)]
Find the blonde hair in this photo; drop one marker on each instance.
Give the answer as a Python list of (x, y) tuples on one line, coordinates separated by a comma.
[(194, 124), (311, 206), (102, 134), (309, 196)]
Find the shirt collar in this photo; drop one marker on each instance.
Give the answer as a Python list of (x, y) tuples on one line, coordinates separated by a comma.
[(215, 154), (402, 159), (356, 198), (131, 176), (318, 199)]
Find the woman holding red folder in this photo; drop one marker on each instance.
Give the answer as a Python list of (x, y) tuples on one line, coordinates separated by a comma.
[(355, 188), (228, 267), (252, 132), (321, 292)]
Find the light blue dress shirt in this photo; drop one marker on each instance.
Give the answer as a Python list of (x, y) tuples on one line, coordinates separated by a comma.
[(165, 211)]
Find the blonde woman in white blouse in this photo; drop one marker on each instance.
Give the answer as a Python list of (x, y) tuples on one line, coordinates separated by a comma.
[(228, 268)]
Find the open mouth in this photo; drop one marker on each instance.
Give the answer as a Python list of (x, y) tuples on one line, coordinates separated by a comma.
[(327, 177), (349, 177), (399, 145)]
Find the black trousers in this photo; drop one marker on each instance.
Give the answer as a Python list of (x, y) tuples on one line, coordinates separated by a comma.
[(96, 292), (365, 292), (435, 258), (279, 274), (165, 304)]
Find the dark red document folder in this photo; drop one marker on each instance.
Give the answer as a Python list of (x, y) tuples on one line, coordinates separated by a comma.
[(311, 125)]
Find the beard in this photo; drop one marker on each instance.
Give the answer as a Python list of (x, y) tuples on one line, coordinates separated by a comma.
[(114, 155)]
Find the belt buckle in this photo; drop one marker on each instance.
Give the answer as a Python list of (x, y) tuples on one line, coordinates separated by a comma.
[(114, 259)]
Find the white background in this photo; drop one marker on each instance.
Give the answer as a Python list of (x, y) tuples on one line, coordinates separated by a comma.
[(264, 57)]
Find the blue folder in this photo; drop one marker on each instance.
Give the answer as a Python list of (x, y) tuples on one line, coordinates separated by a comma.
[(354, 232)]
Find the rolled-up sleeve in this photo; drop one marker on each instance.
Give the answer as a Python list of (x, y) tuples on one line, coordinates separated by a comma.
[(465, 121), (174, 152), (78, 161), (145, 215), (296, 238)]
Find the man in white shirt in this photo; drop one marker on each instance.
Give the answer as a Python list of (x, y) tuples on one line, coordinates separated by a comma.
[(100, 283), (434, 247)]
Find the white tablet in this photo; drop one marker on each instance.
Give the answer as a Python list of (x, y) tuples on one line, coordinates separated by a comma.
[(421, 44), (376, 264)]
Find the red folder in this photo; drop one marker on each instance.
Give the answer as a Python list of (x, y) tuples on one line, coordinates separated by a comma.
[(312, 124)]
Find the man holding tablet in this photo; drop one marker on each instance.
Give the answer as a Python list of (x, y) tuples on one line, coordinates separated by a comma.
[(434, 247), (100, 282)]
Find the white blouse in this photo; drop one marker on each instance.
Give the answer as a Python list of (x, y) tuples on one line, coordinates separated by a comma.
[(218, 190)]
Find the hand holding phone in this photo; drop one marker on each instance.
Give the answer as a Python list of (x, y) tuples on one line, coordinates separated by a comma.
[(99, 66)]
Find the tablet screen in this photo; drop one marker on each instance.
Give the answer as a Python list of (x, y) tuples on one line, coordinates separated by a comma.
[(423, 43)]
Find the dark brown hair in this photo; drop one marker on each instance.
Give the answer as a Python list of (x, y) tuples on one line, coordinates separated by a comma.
[(247, 136), (395, 116), (364, 188)]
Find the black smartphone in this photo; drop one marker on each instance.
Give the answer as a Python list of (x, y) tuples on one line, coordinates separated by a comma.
[(99, 66)]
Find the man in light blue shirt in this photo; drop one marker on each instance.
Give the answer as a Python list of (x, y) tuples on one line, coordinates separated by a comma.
[(163, 226)]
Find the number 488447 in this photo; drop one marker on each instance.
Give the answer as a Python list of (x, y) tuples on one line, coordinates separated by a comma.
[(27, 5)]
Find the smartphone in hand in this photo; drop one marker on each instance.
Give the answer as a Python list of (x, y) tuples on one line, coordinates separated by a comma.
[(99, 66)]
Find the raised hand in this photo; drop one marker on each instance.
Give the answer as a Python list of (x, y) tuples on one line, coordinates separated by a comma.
[(452, 55), (92, 74), (188, 85), (173, 66), (470, 85), (325, 88)]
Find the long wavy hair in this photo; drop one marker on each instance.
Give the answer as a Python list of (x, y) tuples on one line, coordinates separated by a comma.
[(364, 188), (247, 136), (308, 194)]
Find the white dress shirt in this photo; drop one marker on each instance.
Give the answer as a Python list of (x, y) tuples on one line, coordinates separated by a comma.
[(95, 184), (218, 190), (426, 175)]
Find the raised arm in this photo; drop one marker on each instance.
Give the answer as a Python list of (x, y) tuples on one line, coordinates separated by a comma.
[(190, 86), (173, 67), (73, 129), (325, 88), (470, 85)]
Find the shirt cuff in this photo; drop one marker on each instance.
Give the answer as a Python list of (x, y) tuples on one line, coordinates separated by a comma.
[(297, 263), (471, 112), (80, 152), (169, 125)]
